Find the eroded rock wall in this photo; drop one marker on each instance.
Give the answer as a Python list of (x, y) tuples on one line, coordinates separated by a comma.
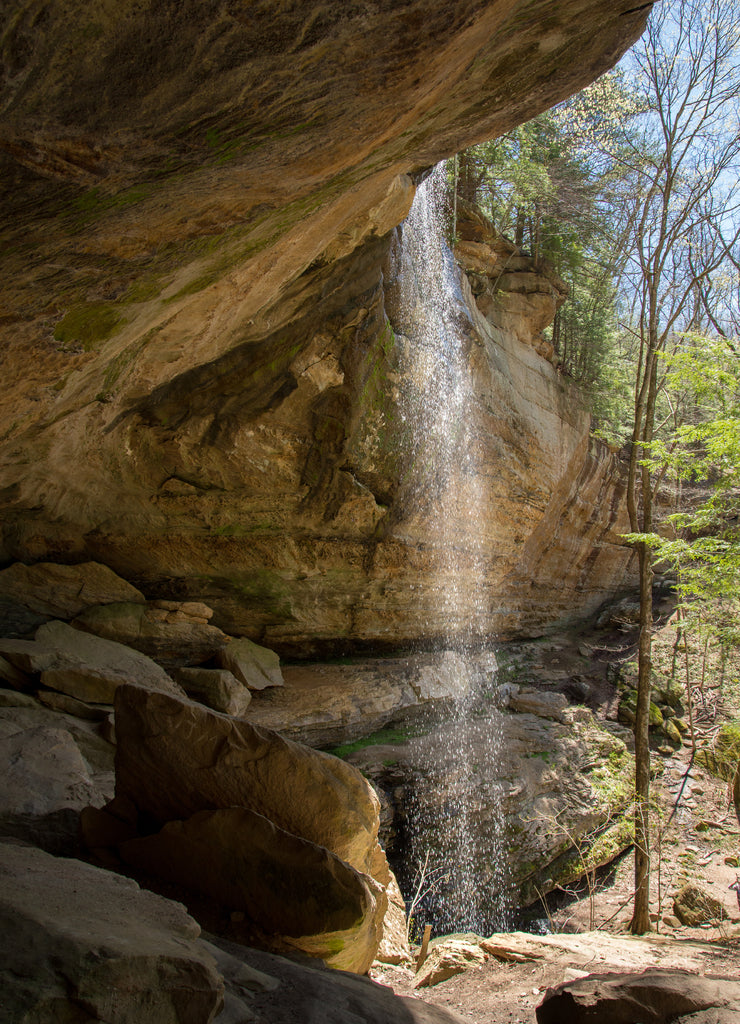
[(196, 208)]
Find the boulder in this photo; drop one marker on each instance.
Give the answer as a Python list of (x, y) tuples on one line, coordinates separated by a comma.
[(694, 906), (53, 591), (82, 944), (535, 702), (217, 688), (263, 987), (670, 730), (446, 959), (54, 766), (182, 611), (255, 666), (175, 757), (652, 997), (91, 668), (172, 637), (28, 657), (292, 889)]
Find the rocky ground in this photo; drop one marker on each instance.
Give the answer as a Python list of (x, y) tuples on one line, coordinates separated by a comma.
[(496, 992), (702, 837)]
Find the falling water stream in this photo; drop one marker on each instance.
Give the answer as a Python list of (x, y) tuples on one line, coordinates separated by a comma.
[(455, 821)]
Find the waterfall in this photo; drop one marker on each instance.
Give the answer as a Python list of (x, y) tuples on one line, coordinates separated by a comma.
[(454, 822)]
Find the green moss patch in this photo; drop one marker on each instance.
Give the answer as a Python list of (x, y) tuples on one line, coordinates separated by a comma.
[(723, 757), (380, 738), (87, 325)]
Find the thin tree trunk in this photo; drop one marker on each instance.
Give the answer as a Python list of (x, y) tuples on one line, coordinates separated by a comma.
[(641, 440), (641, 913)]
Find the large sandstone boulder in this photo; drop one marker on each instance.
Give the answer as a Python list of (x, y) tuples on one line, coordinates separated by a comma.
[(50, 591), (693, 906), (254, 666), (175, 757), (652, 997), (82, 944), (91, 668), (172, 638), (217, 688), (255, 822), (290, 888), (446, 959)]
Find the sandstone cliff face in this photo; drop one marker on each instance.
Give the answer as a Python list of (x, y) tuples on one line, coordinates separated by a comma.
[(197, 205)]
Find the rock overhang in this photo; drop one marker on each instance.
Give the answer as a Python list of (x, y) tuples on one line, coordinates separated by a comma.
[(192, 194)]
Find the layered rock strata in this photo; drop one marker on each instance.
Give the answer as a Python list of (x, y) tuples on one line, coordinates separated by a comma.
[(196, 333)]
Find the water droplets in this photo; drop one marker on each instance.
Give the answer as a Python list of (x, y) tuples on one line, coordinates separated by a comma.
[(454, 821)]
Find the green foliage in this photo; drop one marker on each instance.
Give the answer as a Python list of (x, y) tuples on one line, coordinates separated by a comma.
[(702, 456), (549, 185)]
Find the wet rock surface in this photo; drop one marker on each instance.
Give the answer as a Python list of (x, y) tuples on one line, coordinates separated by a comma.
[(502, 773)]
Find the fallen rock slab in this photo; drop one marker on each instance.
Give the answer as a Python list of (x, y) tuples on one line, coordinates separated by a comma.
[(291, 888), (173, 638), (651, 997), (83, 944), (446, 959), (254, 666), (217, 688), (91, 668)]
